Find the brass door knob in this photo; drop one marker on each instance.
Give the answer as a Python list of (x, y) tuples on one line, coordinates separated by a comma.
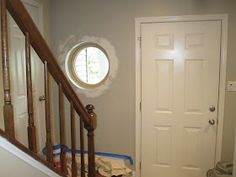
[(212, 108), (42, 98)]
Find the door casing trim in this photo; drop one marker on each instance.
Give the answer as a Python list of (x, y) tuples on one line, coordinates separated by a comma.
[(222, 84)]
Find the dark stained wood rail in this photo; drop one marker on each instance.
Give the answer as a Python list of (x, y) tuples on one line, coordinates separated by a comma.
[(88, 119), (91, 150), (73, 141), (62, 130), (31, 126), (82, 168), (8, 108), (47, 115)]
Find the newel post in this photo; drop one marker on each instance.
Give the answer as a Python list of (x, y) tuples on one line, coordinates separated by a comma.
[(91, 145), (8, 108)]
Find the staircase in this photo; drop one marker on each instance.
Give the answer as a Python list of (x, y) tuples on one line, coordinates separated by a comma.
[(87, 117)]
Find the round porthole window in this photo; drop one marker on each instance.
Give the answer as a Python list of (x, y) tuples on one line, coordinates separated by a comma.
[(87, 65), (90, 63)]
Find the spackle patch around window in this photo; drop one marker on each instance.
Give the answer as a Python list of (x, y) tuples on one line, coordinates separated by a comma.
[(90, 63)]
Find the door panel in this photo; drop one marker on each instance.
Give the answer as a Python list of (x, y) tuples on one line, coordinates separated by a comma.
[(18, 82), (164, 79), (180, 77)]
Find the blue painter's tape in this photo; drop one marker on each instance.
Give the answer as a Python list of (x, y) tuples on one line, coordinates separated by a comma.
[(67, 150), (56, 147), (118, 156)]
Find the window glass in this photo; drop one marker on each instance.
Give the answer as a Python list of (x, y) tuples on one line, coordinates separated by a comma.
[(91, 65), (88, 65)]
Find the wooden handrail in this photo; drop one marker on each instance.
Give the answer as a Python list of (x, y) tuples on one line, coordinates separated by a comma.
[(26, 24)]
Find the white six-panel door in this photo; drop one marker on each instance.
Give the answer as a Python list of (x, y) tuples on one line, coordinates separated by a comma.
[(18, 78), (180, 78)]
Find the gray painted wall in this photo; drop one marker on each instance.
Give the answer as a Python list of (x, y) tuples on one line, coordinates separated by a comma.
[(114, 20)]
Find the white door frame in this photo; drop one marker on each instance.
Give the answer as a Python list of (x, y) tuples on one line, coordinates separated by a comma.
[(222, 83), (38, 4)]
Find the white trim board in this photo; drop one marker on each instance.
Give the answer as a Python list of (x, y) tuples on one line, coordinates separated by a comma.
[(25, 157), (138, 119)]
